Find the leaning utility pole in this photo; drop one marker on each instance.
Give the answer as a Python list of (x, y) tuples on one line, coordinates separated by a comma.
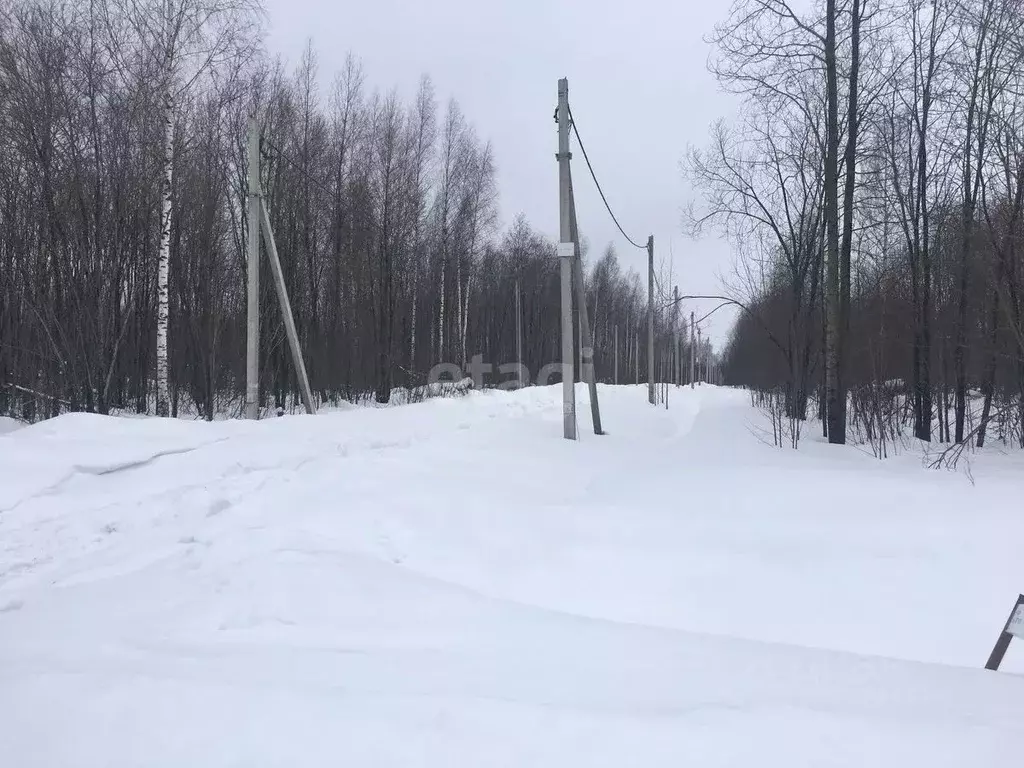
[(252, 337), (586, 339), (259, 219), (650, 319), (566, 253), (286, 310), (693, 352)]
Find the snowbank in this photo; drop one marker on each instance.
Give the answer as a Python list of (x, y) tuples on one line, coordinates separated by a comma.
[(7, 425), (452, 584)]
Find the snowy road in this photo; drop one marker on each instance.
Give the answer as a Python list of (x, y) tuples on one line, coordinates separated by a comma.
[(414, 586)]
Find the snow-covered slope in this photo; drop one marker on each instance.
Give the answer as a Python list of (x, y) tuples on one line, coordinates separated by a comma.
[(451, 584)]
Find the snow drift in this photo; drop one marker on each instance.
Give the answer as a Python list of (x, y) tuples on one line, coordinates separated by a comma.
[(452, 584)]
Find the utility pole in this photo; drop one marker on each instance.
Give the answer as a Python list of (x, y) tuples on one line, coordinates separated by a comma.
[(259, 220), (252, 337), (650, 319), (693, 352), (519, 336), (566, 252), (700, 360)]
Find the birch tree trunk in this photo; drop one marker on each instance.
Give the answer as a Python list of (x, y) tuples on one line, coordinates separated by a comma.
[(835, 397), (163, 262)]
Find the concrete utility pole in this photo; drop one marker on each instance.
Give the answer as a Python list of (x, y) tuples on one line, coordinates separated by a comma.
[(650, 319), (252, 338), (259, 219), (693, 352), (566, 253), (700, 360)]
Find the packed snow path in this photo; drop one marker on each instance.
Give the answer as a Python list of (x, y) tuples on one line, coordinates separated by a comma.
[(453, 584)]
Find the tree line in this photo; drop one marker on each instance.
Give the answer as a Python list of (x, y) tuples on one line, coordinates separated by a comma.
[(123, 222), (873, 185)]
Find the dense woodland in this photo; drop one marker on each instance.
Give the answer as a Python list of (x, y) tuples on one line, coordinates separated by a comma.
[(123, 222), (874, 185)]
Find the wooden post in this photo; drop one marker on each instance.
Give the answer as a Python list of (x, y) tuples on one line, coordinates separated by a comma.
[(286, 310), (566, 251), (252, 326)]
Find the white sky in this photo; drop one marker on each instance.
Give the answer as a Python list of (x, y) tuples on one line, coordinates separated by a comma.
[(638, 85)]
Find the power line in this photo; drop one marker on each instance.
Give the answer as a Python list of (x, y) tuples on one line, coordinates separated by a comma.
[(709, 314), (590, 167)]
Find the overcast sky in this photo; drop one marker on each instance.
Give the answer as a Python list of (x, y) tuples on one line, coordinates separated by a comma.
[(638, 86)]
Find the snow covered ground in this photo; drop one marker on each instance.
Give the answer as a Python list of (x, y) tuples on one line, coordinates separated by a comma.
[(451, 584)]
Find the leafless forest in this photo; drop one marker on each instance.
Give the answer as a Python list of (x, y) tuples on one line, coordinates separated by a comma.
[(873, 186), (123, 222)]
